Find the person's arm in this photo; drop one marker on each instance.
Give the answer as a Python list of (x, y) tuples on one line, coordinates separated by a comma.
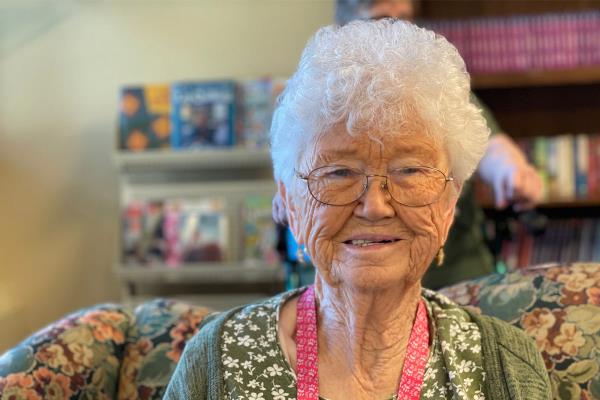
[(514, 180), (506, 169)]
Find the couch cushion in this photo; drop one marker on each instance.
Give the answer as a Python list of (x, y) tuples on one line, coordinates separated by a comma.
[(104, 352), (153, 347), (559, 307), (77, 357)]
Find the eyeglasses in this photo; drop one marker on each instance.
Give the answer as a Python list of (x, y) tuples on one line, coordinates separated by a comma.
[(339, 185)]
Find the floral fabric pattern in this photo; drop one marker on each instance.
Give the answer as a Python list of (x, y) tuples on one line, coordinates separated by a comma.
[(256, 369), (111, 352), (559, 307), (106, 352)]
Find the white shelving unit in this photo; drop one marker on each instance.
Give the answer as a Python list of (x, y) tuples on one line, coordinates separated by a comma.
[(232, 174), (201, 273), (204, 159)]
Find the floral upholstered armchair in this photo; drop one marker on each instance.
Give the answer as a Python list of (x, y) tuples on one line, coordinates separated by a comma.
[(111, 352), (559, 307), (105, 352)]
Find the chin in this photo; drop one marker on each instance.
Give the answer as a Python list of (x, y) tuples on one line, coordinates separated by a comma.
[(375, 277)]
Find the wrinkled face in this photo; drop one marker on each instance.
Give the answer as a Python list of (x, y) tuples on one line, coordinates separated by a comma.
[(373, 242)]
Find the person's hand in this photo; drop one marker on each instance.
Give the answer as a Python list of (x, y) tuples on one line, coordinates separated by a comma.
[(279, 212), (513, 179)]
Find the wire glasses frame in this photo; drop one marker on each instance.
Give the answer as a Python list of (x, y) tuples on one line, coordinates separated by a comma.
[(411, 186)]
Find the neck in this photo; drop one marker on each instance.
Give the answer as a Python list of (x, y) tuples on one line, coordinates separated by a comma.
[(364, 333)]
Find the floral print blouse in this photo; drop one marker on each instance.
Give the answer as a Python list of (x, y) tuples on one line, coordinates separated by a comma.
[(255, 367)]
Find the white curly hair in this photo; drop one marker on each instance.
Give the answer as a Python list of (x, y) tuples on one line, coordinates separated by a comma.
[(378, 77)]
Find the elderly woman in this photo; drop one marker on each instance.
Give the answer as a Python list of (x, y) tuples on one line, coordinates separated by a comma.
[(371, 142)]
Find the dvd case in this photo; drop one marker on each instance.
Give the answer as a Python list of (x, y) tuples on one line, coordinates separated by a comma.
[(203, 114), (144, 118)]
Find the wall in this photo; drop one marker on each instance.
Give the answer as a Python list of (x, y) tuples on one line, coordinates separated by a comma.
[(58, 102)]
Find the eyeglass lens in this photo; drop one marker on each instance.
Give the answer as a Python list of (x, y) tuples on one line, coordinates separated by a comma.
[(411, 186)]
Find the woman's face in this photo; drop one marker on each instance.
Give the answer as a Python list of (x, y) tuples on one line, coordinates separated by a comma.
[(402, 240)]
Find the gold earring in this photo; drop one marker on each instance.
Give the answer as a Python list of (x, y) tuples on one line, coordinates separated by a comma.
[(439, 257), (300, 255)]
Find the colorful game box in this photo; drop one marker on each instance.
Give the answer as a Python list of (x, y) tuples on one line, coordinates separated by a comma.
[(144, 117), (203, 114), (260, 232), (256, 111), (196, 231), (143, 238)]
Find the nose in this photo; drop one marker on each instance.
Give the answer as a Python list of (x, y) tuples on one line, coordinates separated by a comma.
[(376, 201)]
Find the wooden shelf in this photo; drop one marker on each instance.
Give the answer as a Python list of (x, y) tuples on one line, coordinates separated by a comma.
[(197, 159), (570, 203), (488, 203), (201, 273), (485, 198), (577, 76)]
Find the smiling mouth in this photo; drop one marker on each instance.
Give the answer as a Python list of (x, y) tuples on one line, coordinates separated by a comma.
[(365, 242)]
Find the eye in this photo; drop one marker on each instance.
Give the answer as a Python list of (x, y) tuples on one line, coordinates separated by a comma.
[(407, 171), (336, 173), (340, 173)]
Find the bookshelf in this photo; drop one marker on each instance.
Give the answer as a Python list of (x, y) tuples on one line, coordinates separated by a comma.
[(565, 77), (529, 104), (231, 173)]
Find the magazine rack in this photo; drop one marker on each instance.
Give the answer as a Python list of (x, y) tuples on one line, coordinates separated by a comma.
[(229, 173)]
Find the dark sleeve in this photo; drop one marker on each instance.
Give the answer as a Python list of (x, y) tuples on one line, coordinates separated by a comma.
[(198, 374), (514, 367), (487, 114), (190, 377), (189, 381)]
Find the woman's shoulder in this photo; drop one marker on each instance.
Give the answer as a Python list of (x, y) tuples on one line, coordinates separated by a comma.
[(259, 312), (493, 330), (199, 370), (511, 359)]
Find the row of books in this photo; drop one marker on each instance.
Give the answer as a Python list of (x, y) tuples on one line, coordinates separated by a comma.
[(568, 164), (175, 232), (517, 43), (188, 115), (562, 241)]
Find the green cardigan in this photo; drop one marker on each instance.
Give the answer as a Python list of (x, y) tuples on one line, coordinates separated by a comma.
[(514, 368)]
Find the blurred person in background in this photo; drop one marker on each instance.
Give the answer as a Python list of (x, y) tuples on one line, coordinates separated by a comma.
[(504, 167)]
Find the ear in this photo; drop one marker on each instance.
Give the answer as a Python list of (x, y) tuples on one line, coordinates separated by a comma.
[(290, 209), (448, 214)]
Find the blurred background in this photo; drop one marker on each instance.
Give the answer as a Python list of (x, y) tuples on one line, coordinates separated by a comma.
[(102, 203), (62, 66)]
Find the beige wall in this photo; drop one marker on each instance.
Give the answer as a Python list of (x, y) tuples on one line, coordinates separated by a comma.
[(58, 102)]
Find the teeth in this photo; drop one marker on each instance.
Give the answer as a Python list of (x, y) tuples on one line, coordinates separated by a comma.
[(362, 242)]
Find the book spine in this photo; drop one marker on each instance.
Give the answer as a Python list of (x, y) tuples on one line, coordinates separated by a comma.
[(552, 168), (582, 165), (175, 120), (593, 156), (540, 160), (566, 167)]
